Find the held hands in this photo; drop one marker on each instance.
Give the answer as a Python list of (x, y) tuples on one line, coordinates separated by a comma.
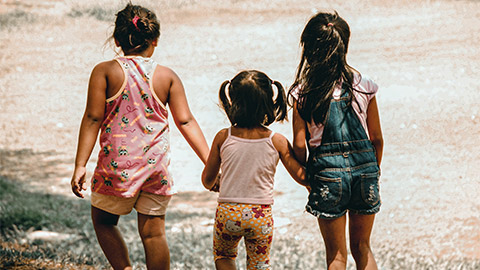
[(216, 186), (78, 181)]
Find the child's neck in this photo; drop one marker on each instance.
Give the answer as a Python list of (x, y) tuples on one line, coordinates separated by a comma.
[(148, 52), (250, 133), (138, 54)]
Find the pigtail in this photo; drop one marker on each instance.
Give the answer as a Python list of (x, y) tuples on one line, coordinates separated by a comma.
[(280, 104), (224, 100)]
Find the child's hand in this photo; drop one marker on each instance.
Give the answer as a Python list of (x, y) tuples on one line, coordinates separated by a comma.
[(78, 181), (216, 186)]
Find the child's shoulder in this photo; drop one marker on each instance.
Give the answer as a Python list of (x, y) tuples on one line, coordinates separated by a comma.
[(165, 73), (282, 144), (278, 137), (107, 69), (365, 84), (220, 137), (279, 140), (106, 65), (222, 134)]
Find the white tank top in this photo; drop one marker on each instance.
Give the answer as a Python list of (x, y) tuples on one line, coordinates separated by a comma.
[(248, 169)]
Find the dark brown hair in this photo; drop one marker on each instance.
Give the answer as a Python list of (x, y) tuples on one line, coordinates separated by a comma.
[(249, 102), (323, 65), (135, 28)]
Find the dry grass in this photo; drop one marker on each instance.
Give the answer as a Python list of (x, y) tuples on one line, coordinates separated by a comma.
[(423, 54)]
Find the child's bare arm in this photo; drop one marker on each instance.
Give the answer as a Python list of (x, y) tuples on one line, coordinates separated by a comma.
[(299, 136), (184, 119), (294, 168), (212, 167), (375, 129), (91, 121)]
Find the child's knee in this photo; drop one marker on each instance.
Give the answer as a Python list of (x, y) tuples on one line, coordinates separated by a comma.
[(151, 233), (100, 217), (359, 247), (151, 227)]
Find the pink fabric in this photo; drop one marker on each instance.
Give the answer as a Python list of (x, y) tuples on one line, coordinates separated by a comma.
[(134, 138), (363, 86), (248, 170)]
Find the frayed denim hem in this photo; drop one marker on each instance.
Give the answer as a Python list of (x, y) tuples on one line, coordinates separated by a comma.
[(323, 215), (371, 211)]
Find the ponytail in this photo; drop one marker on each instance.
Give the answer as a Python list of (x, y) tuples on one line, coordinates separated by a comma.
[(136, 28)]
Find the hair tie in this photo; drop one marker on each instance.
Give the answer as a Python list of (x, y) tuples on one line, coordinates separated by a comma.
[(134, 21), (330, 24)]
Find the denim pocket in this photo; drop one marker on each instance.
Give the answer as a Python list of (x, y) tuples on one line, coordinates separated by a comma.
[(326, 192), (370, 188)]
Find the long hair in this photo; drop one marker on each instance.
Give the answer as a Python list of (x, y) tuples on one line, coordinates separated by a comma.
[(248, 100), (322, 66)]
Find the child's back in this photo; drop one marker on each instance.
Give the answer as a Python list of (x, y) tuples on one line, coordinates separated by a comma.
[(335, 114), (248, 153), (254, 160), (134, 135), (127, 99)]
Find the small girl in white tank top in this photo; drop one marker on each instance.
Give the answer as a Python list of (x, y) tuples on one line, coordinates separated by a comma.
[(247, 154)]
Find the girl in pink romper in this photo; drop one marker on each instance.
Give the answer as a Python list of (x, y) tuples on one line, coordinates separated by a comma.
[(127, 99)]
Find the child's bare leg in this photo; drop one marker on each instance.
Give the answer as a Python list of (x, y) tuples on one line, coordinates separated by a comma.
[(110, 239), (225, 264), (333, 232), (360, 230), (152, 232)]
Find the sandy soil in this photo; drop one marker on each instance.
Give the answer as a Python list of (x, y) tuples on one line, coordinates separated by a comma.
[(423, 54)]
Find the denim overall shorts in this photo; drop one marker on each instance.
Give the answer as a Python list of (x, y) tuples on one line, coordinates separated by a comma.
[(343, 171)]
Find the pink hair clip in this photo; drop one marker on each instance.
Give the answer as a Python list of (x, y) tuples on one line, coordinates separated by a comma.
[(134, 21), (330, 24)]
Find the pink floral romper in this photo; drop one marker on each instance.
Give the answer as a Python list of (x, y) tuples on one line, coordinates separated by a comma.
[(134, 138)]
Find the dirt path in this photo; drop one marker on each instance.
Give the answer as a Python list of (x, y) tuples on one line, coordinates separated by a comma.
[(423, 54)]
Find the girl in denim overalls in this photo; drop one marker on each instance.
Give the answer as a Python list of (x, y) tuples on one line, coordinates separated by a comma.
[(335, 114)]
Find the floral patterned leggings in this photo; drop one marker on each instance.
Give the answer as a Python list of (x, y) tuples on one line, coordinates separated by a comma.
[(252, 221)]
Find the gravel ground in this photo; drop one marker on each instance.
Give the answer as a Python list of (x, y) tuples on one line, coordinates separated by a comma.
[(423, 54)]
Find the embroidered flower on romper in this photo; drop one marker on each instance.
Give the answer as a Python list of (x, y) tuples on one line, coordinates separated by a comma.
[(371, 193), (324, 192)]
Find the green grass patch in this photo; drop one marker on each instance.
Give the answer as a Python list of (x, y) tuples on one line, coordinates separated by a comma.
[(26, 210)]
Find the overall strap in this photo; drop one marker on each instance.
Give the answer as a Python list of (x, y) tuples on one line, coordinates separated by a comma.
[(342, 123)]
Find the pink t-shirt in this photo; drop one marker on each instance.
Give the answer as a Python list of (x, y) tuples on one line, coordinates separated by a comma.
[(366, 90), (248, 170), (134, 138)]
